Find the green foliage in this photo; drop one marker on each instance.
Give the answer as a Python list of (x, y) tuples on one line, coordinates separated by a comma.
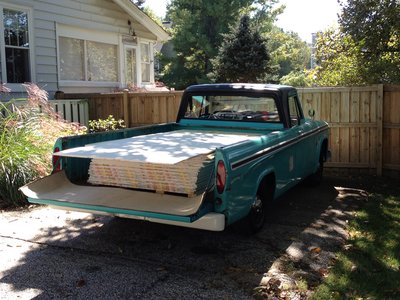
[(243, 56), (197, 34), (27, 137), (375, 28), (263, 13), (288, 52), (297, 78), (375, 25), (339, 60), (22, 152), (365, 49), (197, 28), (105, 124)]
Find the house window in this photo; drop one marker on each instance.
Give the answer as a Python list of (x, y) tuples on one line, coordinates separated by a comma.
[(72, 65), (145, 61), (83, 60), (16, 57)]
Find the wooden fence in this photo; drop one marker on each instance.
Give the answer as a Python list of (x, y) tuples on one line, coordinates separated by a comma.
[(364, 121), (364, 124), (134, 108), (391, 128)]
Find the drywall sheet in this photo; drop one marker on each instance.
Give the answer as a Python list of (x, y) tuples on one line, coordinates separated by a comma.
[(166, 147)]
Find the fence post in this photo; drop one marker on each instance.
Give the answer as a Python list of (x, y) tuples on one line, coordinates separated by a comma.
[(126, 108), (379, 120)]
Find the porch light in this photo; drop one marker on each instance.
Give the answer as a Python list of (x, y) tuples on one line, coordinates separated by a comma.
[(131, 30)]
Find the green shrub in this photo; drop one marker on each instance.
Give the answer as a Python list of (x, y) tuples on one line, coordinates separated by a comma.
[(105, 124), (27, 136)]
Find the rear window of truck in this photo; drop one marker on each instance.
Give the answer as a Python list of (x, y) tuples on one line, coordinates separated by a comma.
[(232, 108)]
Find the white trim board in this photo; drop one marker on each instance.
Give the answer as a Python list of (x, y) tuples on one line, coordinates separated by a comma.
[(165, 148)]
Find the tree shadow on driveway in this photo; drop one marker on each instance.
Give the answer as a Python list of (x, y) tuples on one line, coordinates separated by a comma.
[(88, 256)]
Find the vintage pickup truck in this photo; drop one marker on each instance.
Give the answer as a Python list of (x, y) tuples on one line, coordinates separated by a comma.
[(233, 150)]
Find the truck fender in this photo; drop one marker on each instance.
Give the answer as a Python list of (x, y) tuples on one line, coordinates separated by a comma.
[(256, 213), (322, 146), (321, 157), (266, 173)]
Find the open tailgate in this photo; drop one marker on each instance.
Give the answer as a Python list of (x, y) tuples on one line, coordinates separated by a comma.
[(57, 190)]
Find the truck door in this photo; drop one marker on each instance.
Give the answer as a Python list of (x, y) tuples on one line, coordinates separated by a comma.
[(304, 148)]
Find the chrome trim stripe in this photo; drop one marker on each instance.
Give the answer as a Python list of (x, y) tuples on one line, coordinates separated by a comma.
[(276, 148)]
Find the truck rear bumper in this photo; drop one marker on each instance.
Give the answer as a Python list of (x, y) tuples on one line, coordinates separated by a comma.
[(211, 221), (57, 191)]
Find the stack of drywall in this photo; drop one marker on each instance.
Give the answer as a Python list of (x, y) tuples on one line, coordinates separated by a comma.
[(189, 177), (177, 161)]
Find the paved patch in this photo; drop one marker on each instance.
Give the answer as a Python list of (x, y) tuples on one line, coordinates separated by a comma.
[(48, 253)]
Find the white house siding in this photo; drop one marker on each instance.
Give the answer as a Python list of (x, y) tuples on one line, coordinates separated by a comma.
[(99, 15)]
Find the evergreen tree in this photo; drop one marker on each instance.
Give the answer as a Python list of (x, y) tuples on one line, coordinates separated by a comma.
[(243, 56), (197, 34)]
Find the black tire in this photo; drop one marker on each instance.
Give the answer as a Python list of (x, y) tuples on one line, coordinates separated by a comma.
[(257, 216)]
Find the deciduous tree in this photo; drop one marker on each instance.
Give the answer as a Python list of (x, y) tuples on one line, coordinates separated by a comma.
[(339, 60), (374, 26), (289, 54)]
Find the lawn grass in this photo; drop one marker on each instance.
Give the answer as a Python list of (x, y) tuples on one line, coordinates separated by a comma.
[(369, 265)]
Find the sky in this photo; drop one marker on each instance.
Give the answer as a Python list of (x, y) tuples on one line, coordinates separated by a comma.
[(308, 16), (301, 16)]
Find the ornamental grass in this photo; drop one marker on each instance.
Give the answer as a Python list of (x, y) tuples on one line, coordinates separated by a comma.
[(27, 136)]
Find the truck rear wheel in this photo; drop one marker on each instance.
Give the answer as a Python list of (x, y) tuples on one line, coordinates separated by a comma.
[(257, 216)]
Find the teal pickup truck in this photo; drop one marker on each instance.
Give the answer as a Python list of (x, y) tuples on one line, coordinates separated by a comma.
[(249, 143)]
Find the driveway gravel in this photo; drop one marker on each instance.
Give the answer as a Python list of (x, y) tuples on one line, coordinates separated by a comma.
[(47, 253)]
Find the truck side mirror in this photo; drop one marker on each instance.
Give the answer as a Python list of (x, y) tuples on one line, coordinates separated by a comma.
[(311, 113)]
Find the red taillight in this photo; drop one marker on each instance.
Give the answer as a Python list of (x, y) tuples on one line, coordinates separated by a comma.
[(56, 161), (221, 177)]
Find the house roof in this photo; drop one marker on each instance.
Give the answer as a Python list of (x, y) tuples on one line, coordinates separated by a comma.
[(143, 19)]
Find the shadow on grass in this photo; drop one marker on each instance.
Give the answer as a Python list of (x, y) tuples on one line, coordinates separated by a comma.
[(369, 266), (106, 257)]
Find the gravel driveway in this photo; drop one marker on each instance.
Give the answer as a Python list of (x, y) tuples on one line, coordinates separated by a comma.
[(47, 253)]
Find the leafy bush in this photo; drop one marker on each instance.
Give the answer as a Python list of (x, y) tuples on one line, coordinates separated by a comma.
[(105, 124), (27, 136), (297, 78)]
